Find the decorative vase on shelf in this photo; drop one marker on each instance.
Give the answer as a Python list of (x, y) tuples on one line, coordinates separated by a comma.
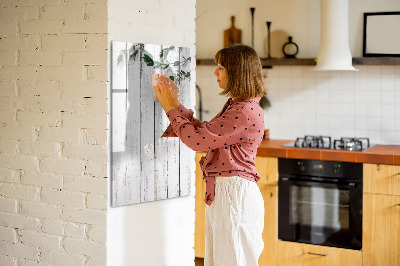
[(290, 49)]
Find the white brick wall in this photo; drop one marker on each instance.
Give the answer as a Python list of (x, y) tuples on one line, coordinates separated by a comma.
[(53, 113)]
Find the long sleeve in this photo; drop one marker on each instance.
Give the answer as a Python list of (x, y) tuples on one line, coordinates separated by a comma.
[(222, 131), (186, 113)]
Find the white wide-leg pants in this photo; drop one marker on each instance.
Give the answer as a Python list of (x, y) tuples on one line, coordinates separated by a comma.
[(234, 223)]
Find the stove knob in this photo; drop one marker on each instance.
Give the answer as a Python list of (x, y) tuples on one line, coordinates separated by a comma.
[(301, 166), (336, 169)]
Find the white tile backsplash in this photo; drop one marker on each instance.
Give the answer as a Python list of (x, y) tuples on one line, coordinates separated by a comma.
[(364, 103), (387, 111), (388, 97)]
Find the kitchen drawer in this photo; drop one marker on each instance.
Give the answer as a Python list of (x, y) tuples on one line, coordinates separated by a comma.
[(298, 254), (267, 168), (381, 179)]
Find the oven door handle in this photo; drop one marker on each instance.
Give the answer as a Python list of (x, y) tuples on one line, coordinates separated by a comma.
[(330, 184)]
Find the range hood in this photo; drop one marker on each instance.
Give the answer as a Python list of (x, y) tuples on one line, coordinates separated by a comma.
[(334, 51)]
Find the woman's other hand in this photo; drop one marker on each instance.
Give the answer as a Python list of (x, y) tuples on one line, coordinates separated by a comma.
[(164, 95), (174, 89)]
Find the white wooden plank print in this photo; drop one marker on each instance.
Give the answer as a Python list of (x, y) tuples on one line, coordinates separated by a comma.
[(184, 96), (173, 143), (132, 175), (144, 166)]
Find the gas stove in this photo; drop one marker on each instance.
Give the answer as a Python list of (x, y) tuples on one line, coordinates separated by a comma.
[(325, 142)]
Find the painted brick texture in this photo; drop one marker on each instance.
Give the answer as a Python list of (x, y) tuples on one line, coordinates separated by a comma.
[(53, 132)]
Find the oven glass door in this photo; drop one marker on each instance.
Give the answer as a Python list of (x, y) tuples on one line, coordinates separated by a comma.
[(322, 213)]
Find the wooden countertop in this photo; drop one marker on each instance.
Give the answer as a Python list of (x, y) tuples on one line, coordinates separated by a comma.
[(379, 154)]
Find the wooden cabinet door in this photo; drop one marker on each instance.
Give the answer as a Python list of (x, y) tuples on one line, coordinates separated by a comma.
[(381, 230), (267, 168), (297, 254), (270, 233), (381, 179), (200, 207)]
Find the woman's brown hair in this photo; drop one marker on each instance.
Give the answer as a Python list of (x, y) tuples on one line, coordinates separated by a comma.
[(245, 78)]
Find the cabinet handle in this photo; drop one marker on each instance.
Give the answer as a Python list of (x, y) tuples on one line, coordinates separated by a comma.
[(318, 254)]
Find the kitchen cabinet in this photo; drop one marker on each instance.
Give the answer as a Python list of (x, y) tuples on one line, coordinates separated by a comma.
[(381, 221), (381, 215), (267, 168), (200, 207), (381, 230), (270, 233), (381, 179), (298, 254)]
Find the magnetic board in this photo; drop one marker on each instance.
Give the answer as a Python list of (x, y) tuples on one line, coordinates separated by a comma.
[(144, 166)]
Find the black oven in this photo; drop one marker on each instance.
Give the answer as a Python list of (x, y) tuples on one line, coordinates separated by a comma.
[(320, 202)]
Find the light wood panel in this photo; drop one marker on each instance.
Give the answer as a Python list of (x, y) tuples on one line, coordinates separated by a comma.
[(297, 254), (381, 230), (200, 207), (267, 168), (381, 179), (270, 233)]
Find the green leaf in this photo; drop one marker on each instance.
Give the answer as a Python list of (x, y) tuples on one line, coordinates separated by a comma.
[(147, 59), (176, 63), (136, 52), (165, 52), (119, 59), (171, 48), (166, 66), (157, 64), (132, 49), (186, 60), (172, 78), (187, 74)]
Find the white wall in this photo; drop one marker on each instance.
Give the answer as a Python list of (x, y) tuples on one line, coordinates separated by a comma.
[(299, 18), (338, 104), (161, 232)]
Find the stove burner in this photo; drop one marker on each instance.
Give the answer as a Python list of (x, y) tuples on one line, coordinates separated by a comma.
[(308, 141), (324, 142), (351, 144)]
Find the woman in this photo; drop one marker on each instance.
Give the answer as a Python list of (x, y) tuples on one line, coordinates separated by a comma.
[(235, 207)]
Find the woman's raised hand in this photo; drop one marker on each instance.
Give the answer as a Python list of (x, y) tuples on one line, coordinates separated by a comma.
[(164, 95), (174, 89)]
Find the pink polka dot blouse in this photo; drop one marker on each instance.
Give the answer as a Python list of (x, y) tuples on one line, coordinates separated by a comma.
[(231, 139)]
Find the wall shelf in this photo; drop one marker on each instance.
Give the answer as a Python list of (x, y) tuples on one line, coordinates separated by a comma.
[(312, 61)]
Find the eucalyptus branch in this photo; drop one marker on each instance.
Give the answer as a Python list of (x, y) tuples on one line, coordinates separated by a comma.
[(163, 63)]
